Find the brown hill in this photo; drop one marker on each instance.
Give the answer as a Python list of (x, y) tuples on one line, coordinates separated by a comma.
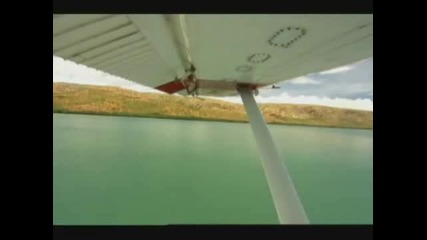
[(75, 98)]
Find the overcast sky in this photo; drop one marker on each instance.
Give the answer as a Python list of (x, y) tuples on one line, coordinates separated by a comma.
[(349, 86)]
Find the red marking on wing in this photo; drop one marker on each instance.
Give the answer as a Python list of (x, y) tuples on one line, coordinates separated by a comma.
[(171, 87)]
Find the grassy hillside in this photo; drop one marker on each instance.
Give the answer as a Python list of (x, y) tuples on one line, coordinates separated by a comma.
[(75, 98)]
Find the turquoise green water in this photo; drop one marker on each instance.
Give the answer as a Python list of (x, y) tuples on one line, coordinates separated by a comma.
[(120, 170)]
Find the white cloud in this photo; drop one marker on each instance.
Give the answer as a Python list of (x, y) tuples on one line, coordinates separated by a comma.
[(302, 81), (358, 104), (70, 72), (337, 70)]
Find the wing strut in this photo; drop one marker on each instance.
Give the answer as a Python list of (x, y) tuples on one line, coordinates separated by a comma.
[(288, 206)]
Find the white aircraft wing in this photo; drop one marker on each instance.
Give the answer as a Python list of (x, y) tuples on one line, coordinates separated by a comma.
[(155, 49)]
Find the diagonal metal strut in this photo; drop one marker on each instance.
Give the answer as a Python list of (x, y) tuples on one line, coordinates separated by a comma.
[(286, 201)]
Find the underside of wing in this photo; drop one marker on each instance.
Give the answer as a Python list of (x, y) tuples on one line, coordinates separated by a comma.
[(212, 53)]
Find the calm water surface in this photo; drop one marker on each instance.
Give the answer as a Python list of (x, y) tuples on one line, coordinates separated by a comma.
[(121, 170)]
